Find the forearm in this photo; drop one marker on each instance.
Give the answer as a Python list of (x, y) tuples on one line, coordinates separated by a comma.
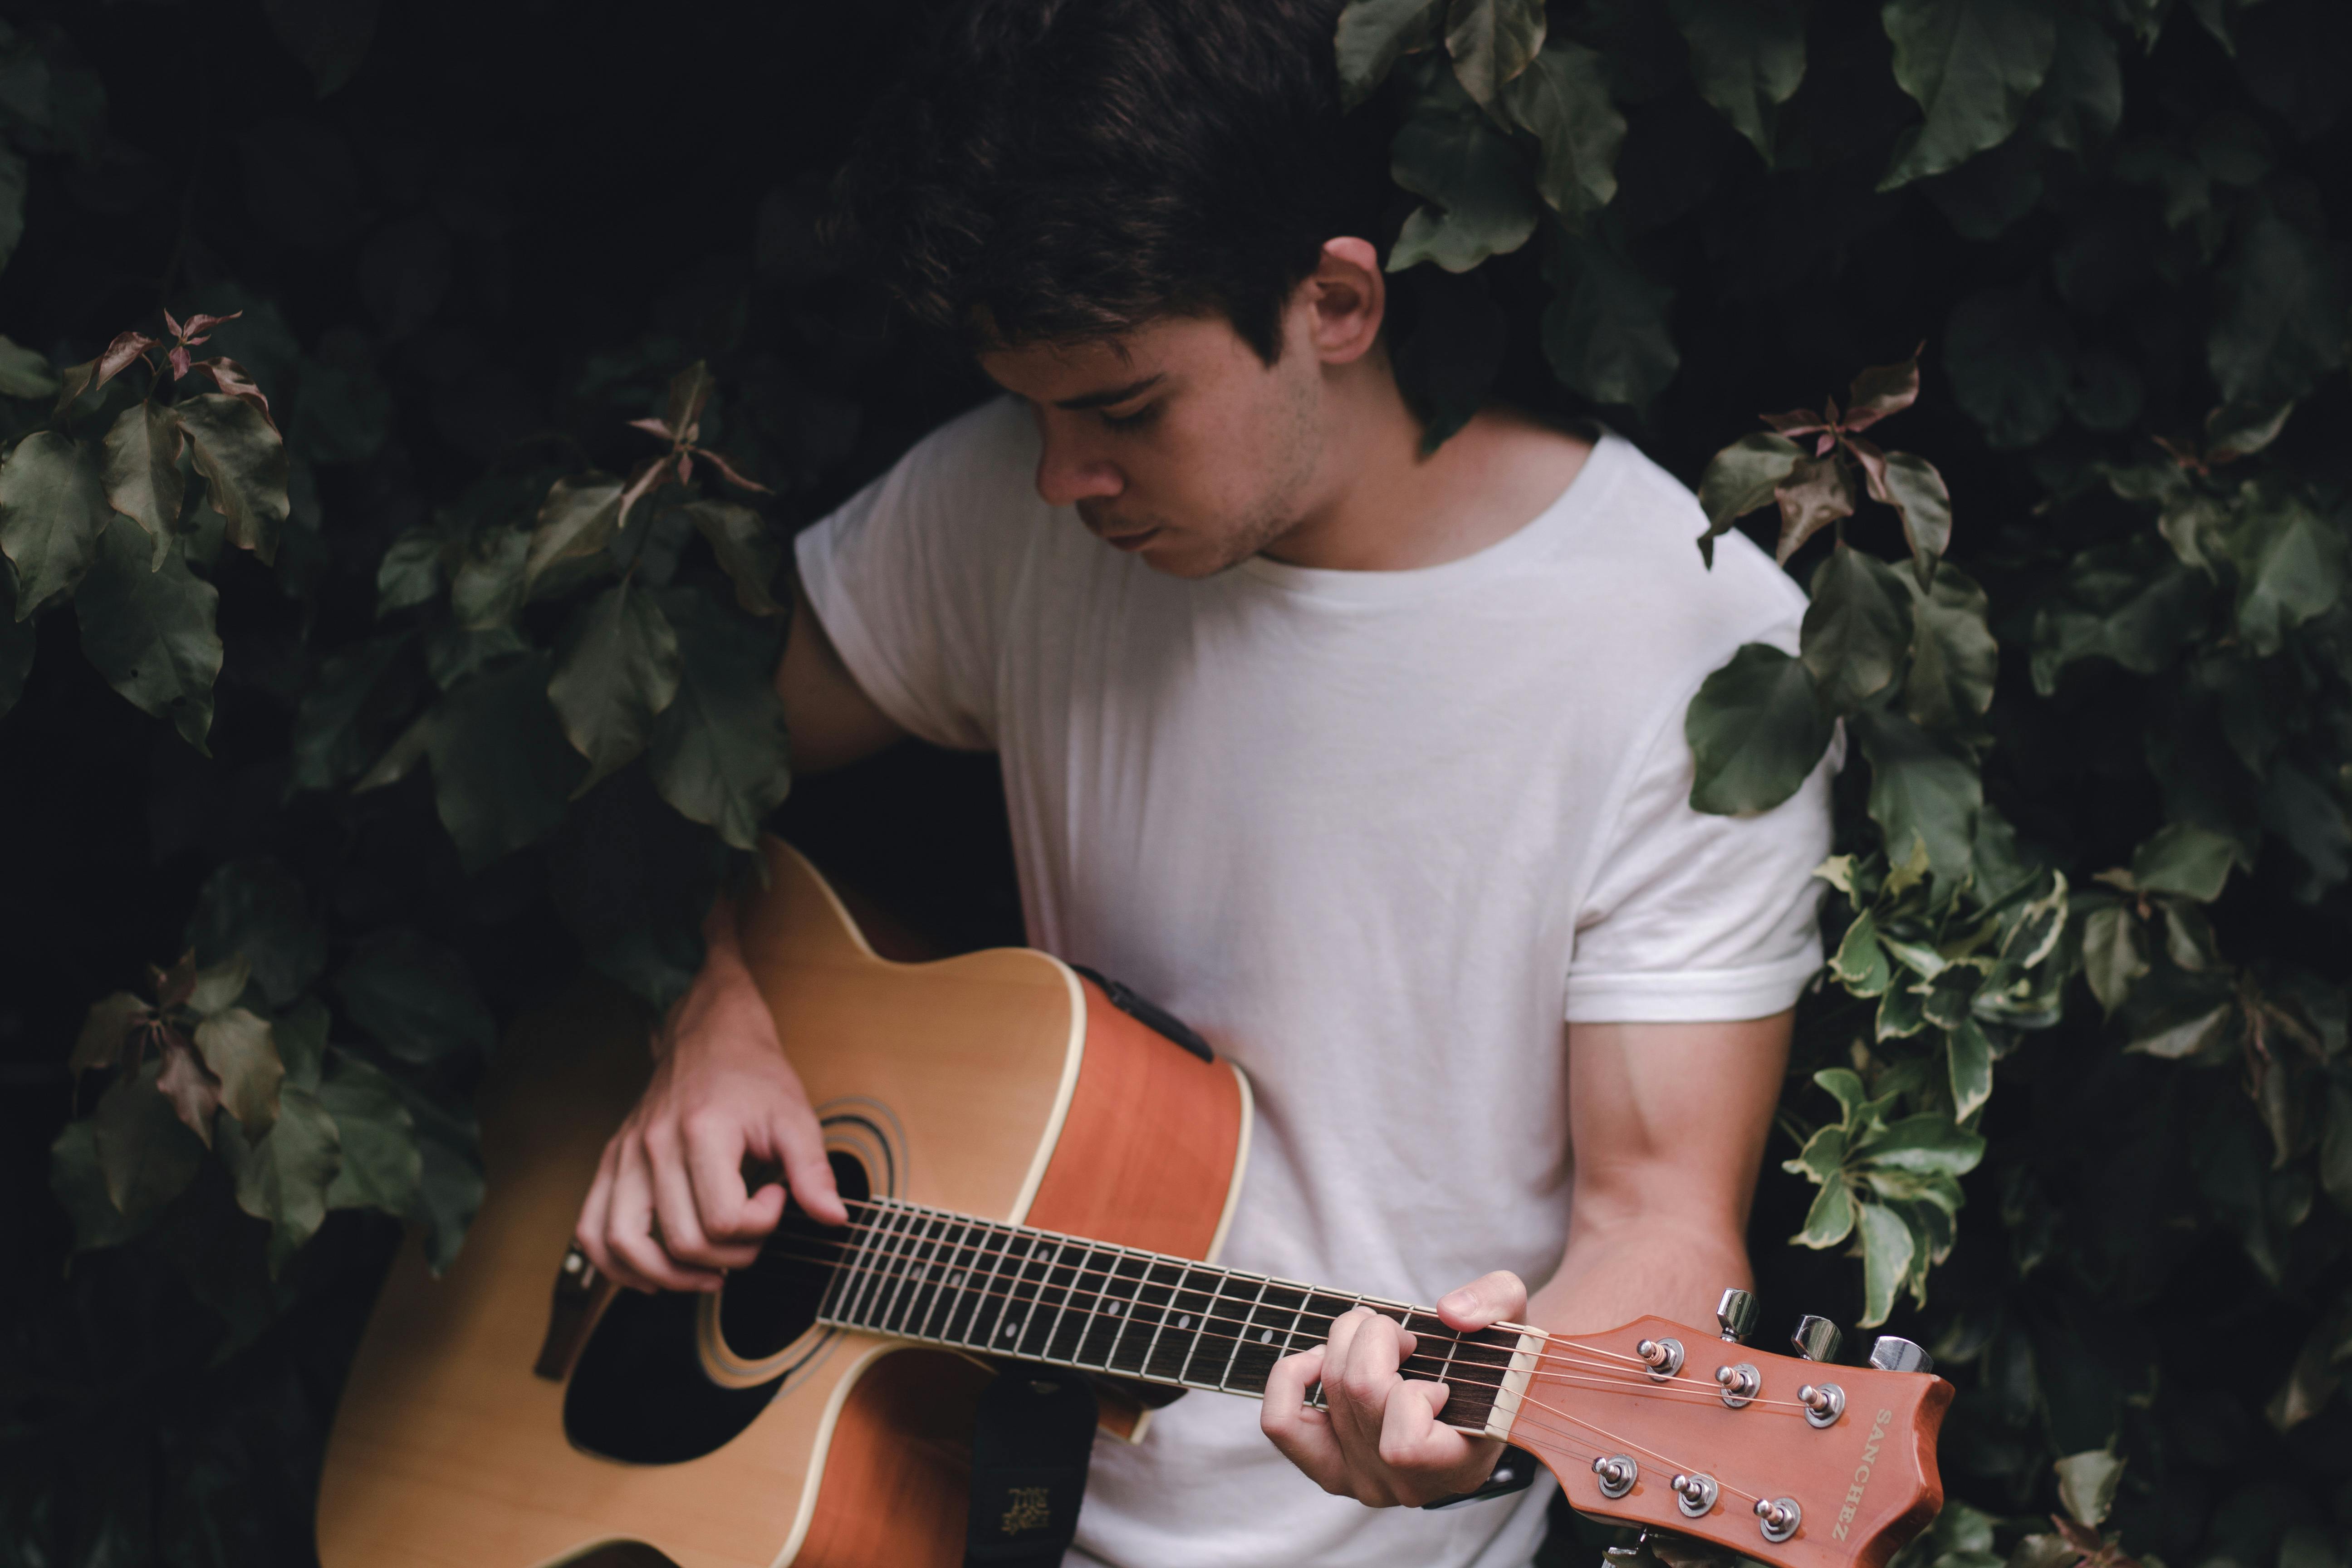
[(1611, 1274)]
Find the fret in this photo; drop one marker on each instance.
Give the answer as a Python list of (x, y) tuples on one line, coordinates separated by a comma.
[(1029, 1295), (1181, 1322), (885, 1263), (1484, 1358), (1428, 1330), (1207, 1360), (1328, 1310), (970, 1284), (912, 1266), (1081, 1303), (1274, 1325), (1049, 1297), (835, 1303), (1121, 1293), (1006, 1304), (1162, 1280), (1242, 1338), (948, 1266)]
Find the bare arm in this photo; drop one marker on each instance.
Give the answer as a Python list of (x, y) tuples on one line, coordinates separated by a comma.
[(669, 1208), (1667, 1123)]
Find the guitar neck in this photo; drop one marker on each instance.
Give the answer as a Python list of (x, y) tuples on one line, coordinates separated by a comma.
[(944, 1278)]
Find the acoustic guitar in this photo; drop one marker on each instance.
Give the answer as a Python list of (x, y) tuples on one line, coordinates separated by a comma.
[(1039, 1168)]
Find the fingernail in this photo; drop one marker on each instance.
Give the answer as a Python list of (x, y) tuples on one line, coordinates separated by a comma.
[(1457, 1301)]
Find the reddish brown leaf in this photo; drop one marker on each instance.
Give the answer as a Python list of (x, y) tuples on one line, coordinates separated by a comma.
[(107, 1029), (1796, 422), (1882, 390), (125, 348), (1874, 465), (1824, 442), (231, 378), (653, 427), (648, 475), (686, 465), (727, 468), (198, 326), (689, 390), (1817, 493), (193, 1090), (175, 986), (180, 359)]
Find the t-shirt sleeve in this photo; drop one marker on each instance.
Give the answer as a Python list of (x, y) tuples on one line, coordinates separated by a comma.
[(911, 576), (1694, 918)]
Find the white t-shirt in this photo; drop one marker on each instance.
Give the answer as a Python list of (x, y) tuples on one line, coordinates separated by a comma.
[(1375, 834)]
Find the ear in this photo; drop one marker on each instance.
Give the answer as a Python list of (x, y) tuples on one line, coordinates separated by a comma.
[(1347, 299)]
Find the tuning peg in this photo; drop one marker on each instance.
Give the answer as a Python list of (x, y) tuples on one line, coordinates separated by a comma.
[(1736, 1314), (1816, 1339), (1892, 1355)]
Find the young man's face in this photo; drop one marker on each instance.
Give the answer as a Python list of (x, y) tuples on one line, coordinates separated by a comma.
[(1174, 441)]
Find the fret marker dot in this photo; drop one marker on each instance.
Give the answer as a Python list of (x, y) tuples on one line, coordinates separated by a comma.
[(1008, 1330), (1184, 1321), (1113, 1308), (956, 1280), (1265, 1338)]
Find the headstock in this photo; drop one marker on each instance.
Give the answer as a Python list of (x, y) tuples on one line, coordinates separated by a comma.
[(1660, 1425)]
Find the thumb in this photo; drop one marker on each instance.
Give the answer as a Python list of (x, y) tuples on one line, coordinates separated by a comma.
[(1487, 1299)]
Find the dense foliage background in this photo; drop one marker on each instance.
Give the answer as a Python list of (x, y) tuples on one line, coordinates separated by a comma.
[(417, 728)]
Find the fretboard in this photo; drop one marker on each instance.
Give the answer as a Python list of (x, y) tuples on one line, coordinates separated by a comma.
[(925, 1274)]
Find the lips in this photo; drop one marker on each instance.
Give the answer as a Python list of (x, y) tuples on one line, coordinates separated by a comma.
[(1135, 541)]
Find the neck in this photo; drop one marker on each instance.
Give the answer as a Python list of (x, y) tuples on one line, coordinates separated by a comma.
[(918, 1273)]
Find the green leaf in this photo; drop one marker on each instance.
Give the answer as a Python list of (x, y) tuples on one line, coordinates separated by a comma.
[(1968, 1052), (617, 672), (2335, 1146), (1491, 42), (237, 1047), (489, 584), (501, 766), (1372, 34), (1954, 658), (2291, 567), (450, 1192), (453, 655), (145, 1152), (747, 552), (52, 511), (2188, 861), (2172, 1042), (1830, 1218), (1756, 729), (1846, 1088), (1477, 180), (1747, 58), (23, 373), (579, 518), (2279, 313), (2301, 811), (415, 999), (2082, 100), (1563, 99), (1920, 788), (1824, 1156), (2010, 356), (105, 1030), (218, 986), (351, 703), (1856, 627), (720, 754), (148, 629), (1860, 964), (141, 471), (410, 572), (2113, 954), (283, 1174), (1742, 479), (80, 1183), (1607, 332), (19, 640), (301, 1034), (1818, 492), (382, 1167), (1929, 1143), (1915, 490), (1971, 64), (1886, 1251), (2086, 1485), (243, 460), (14, 185)]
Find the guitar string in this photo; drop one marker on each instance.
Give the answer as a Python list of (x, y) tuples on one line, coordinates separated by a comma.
[(1001, 1254), (1596, 1374), (1710, 1390)]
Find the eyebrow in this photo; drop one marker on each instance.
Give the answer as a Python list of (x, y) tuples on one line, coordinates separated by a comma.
[(1115, 394)]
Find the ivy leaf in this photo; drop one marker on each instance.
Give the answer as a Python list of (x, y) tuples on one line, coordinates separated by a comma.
[(148, 629), (1860, 964), (1918, 788), (257, 911), (454, 654), (415, 999), (1856, 629), (2113, 954), (23, 373), (219, 986), (2174, 1041), (450, 1191), (410, 572), (75, 1177), (19, 640), (1477, 179), (195, 1094), (1968, 1052), (1756, 729), (2187, 861), (145, 1152), (381, 1167), (1954, 658), (1607, 332), (237, 1047), (1747, 58), (2278, 316), (355, 698), (1971, 64), (747, 551), (617, 672), (1927, 1145), (720, 754), (283, 1174), (301, 1034), (141, 471), (489, 582), (1491, 42), (1886, 1252), (2291, 567), (2011, 357), (2081, 101), (1817, 493), (243, 460), (1915, 490), (2086, 1485), (1562, 97), (106, 1029), (1741, 479), (501, 766), (1830, 1218), (1372, 34), (52, 511), (578, 518)]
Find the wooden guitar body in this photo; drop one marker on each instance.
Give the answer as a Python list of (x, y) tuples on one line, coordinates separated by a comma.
[(1001, 1084)]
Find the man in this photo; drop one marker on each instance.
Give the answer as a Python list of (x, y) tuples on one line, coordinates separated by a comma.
[(1368, 764)]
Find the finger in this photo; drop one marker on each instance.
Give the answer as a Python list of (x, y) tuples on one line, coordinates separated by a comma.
[(629, 1231), (589, 1232), (712, 1169), (800, 1143), (1426, 1458), (1300, 1433), (1364, 1382), (681, 1234), (1497, 1298)]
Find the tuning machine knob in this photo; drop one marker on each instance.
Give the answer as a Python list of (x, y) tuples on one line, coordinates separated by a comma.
[(1816, 1339), (1779, 1518), (1735, 1315), (1892, 1355)]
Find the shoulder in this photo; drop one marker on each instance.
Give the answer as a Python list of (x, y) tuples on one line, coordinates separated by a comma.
[(988, 452)]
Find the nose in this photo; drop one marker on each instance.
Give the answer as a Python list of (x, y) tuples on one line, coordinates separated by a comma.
[(1067, 473)]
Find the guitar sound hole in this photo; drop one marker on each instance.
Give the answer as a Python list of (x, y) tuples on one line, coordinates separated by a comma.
[(773, 1302), (639, 1392)]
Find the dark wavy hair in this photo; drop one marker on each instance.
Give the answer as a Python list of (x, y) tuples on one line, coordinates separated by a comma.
[(1065, 170)]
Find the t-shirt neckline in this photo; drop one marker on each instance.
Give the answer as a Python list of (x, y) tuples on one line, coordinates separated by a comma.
[(1584, 494)]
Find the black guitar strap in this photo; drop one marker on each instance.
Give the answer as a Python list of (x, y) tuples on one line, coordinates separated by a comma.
[(1031, 1445)]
